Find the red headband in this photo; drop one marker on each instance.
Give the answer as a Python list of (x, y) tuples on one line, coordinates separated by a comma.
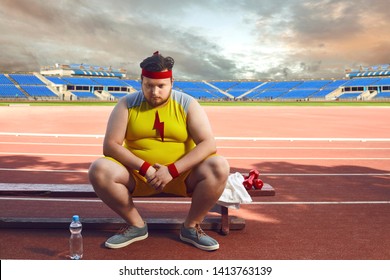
[(157, 75)]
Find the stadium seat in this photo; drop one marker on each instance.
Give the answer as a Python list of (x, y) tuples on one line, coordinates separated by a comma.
[(39, 92), (11, 91), (23, 79)]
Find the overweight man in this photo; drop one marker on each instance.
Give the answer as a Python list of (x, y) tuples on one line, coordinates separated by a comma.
[(159, 140)]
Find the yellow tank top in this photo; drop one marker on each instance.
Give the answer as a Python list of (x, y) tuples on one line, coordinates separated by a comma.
[(158, 135)]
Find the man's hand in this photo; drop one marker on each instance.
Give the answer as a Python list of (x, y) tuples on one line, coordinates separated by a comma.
[(158, 176)]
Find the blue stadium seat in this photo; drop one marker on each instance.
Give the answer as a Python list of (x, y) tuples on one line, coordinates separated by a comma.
[(278, 89), (381, 82), (118, 95), (242, 87), (57, 80), (25, 79), (361, 82), (198, 89), (11, 91), (330, 87), (82, 87), (314, 85), (298, 94), (4, 80), (224, 85), (349, 96), (80, 81), (136, 84), (110, 82), (383, 94), (84, 94), (39, 91), (258, 93)]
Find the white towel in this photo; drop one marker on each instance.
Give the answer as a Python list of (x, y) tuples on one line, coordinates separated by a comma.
[(234, 193)]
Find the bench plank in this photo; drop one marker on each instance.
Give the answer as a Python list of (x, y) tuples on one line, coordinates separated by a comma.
[(76, 190), (224, 223), (212, 223)]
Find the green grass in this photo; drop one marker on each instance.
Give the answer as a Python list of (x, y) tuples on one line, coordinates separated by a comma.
[(59, 103), (222, 103), (294, 103)]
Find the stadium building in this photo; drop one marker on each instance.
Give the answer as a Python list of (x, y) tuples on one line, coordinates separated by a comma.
[(94, 83)]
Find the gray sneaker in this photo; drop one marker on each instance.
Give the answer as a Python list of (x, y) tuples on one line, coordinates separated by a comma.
[(198, 238), (129, 235)]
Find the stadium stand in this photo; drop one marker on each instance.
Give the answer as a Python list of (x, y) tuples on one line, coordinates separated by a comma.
[(109, 82), (371, 71), (84, 94), (118, 95), (224, 85), (258, 92), (361, 82), (39, 92), (57, 80), (23, 79), (327, 89), (198, 90), (4, 80), (383, 94), (11, 92), (382, 87), (242, 88), (277, 89), (82, 70), (353, 89), (135, 84), (305, 90), (24, 86), (79, 81)]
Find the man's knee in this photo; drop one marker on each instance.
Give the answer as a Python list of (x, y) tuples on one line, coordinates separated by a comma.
[(219, 167), (104, 172), (101, 173), (96, 172)]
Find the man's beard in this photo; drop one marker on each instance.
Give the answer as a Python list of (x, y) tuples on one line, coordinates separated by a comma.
[(158, 101)]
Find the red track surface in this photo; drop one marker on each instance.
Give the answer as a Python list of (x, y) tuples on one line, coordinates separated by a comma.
[(332, 201)]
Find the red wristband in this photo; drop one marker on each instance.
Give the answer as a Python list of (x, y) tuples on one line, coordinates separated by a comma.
[(144, 167), (173, 171)]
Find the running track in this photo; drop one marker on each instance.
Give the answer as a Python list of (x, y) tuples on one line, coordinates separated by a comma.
[(330, 167)]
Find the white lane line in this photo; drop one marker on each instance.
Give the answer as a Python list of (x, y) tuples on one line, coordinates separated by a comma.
[(325, 174), (51, 144), (321, 139), (297, 148), (189, 202), (44, 170), (49, 154), (218, 147), (51, 135), (262, 174), (306, 158), (318, 202), (92, 200), (230, 138), (227, 157)]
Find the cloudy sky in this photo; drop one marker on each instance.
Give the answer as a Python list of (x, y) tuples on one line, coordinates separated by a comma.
[(209, 39)]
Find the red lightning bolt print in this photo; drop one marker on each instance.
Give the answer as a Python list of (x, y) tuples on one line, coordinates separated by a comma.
[(159, 126)]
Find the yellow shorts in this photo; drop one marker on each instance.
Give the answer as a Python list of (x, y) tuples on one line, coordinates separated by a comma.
[(175, 187)]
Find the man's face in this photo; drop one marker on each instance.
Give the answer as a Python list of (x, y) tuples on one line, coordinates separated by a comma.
[(156, 91)]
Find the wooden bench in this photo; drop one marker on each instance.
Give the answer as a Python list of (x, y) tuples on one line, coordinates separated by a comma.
[(224, 222)]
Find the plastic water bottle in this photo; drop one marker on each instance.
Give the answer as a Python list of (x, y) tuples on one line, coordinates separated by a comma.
[(76, 239)]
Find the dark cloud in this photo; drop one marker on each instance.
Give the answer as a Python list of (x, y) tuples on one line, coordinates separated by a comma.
[(317, 37), (339, 33)]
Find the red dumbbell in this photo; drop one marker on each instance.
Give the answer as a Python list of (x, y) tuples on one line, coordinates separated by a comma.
[(249, 181), (258, 183)]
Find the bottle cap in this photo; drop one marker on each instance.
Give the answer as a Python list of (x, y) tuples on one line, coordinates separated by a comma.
[(75, 218)]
